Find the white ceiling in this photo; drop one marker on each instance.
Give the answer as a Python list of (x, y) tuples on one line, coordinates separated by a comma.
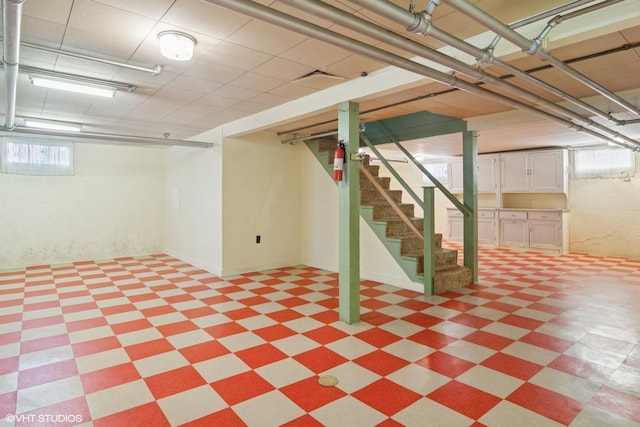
[(243, 66)]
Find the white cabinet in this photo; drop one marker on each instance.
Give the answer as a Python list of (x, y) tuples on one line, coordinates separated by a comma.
[(545, 230), (486, 225), (535, 229), (488, 173), (543, 171), (513, 229)]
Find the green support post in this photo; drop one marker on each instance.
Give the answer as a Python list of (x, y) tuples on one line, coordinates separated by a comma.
[(470, 199), (349, 215), (428, 231)]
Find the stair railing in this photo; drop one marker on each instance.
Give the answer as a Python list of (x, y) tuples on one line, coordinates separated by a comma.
[(427, 235)]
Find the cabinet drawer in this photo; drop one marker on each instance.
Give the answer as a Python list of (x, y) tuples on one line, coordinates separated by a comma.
[(513, 215), (545, 215), (486, 214), (454, 213)]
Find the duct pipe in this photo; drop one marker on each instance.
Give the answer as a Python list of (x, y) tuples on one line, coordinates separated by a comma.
[(362, 26), (11, 22), (107, 138), (157, 69), (421, 24), (540, 17), (561, 18), (264, 13), (533, 47)]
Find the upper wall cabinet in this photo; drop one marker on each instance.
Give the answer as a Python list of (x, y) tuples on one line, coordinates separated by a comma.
[(488, 174), (534, 172)]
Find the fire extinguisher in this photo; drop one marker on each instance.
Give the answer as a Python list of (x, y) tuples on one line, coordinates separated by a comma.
[(338, 162)]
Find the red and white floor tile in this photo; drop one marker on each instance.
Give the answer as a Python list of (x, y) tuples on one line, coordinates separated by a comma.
[(152, 341)]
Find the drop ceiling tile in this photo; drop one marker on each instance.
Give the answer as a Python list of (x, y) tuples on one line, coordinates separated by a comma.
[(41, 32), (292, 90), (207, 70), (270, 99), (205, 18), (217, 101), (194, 84), (153, 9), (315, 53), (257, 82), (234, 92), (179, 95), (48, 10), (241, 57), (95, 44), (109, 21), (282, 69), (354, 65), (266, 37)]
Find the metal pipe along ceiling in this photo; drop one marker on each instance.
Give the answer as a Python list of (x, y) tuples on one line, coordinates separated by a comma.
[(533, 47), (352, 22), (11, 22), (264, 13), (421, 24)]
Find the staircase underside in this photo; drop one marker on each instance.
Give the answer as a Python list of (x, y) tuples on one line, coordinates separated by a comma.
[(405, 247)]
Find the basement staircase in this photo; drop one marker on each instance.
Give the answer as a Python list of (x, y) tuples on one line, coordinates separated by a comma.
[(405, 247)]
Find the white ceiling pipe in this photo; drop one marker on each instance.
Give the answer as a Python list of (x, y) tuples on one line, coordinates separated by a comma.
[(533, 47), (541, 16), (11, 22), (107, 138), (367, 28), (420, 23), (264, 13)]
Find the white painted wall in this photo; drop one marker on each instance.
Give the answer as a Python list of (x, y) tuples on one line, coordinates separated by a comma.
[(111, 207), (604, 216), (193, 191), (320, 225), (261, 196)]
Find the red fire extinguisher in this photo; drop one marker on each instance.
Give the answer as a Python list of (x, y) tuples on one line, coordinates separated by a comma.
[(338, 162)]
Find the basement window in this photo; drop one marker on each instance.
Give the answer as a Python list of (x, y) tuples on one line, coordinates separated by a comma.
[(32, 157), (603, 162)]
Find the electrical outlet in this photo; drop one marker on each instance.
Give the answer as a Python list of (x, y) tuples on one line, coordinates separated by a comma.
[(258, 238)]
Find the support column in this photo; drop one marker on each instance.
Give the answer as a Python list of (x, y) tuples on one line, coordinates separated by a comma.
[(349, 215), (470, 199), (428, 231)]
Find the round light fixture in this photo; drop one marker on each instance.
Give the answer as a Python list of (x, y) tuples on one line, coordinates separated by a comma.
[(176, 45)]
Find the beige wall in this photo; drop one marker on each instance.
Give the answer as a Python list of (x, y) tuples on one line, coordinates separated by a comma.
[(604, 216), (261, 196), (111, 207), (320, 225), (193, 190)]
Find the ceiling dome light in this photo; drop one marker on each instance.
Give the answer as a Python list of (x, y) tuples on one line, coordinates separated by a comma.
[(176, 45)]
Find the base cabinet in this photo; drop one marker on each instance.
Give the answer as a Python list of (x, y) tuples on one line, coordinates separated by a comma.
[(540, 229)]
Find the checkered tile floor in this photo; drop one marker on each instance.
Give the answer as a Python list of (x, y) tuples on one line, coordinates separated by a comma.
[(539, 341)]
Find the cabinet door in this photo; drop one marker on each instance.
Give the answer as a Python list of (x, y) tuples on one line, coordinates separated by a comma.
[(514, 176), (487, 174), (486, 231), (545, 234), (547, 172), (513, 233), (456, 229), (455, 176)]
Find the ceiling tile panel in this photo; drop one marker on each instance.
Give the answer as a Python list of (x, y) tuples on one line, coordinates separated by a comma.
[(266, 37), (206, 18)]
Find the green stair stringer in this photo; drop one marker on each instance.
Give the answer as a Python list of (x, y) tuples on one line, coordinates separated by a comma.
[(408, 264)]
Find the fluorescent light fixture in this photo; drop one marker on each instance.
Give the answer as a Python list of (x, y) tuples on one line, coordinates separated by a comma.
[(176, 45), (71, 86), (52, 125)]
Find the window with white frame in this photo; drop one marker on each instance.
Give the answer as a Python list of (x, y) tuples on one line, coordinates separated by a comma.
[(603, 162), (439, 170), (32, 157)]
